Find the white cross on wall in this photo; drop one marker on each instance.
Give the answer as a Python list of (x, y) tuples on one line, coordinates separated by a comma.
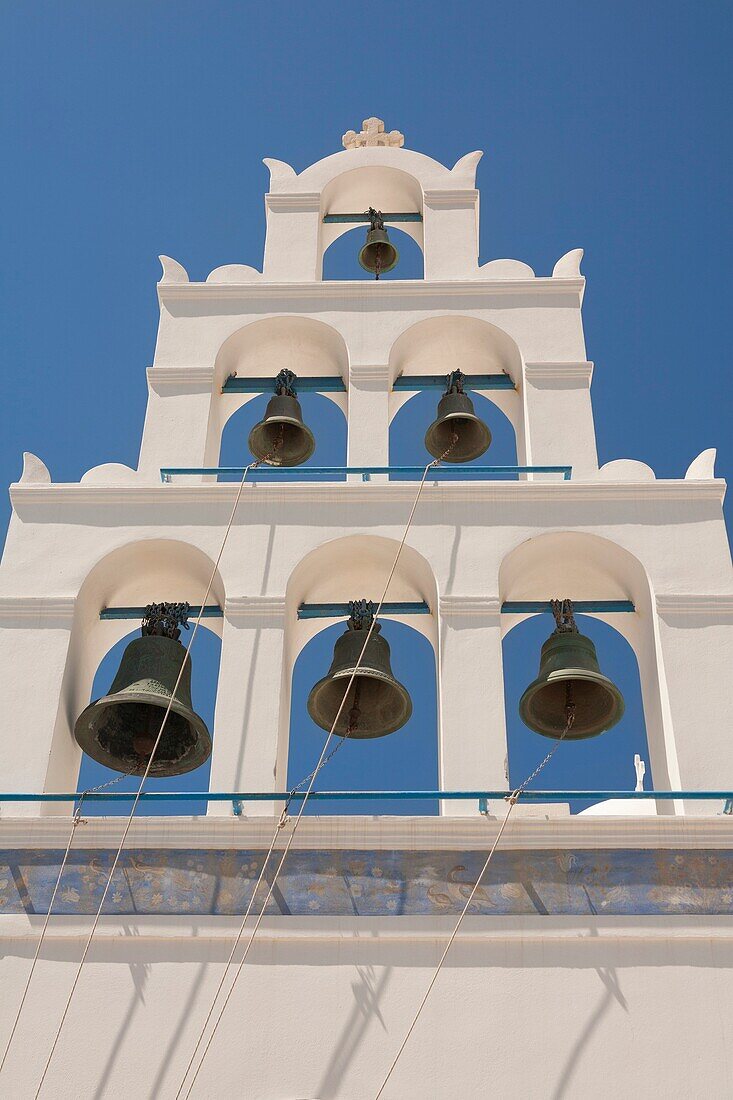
[(372, 133)]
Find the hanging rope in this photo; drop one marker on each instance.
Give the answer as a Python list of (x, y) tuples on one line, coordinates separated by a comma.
[(128, 825), (512, 800), (322, 760), (77, 819)]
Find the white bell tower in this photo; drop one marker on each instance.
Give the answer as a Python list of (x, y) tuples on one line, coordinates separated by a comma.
[(364, 901)]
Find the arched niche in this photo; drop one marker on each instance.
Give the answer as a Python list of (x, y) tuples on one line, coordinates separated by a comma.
[(354, 567), (262, 349), (439, 345), (204, 662), (583, 566), (385, 188), (133, 575), (404, 760), (341, 258)]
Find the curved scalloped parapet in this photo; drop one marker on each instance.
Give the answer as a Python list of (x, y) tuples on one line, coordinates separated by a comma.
[(109, 473), (465, 168), (35, 472), (506, 269), (702, 468), (626, 469), (173, 272), (568, 266), (234, 273), (280, 172)]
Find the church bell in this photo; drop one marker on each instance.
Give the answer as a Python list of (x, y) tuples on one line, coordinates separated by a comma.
[(378, 254), (376, 704), (570, 688), (281, 438), (120, 729), (457, 429)]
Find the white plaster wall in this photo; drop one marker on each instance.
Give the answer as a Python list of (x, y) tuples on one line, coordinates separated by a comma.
[(535, 1007)]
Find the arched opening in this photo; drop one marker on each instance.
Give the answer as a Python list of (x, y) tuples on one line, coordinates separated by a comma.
[(341, 258), (605, 762), (586, 567), (435, 347), (324, 418), (404, 760), (408, 427), (204, 661), (130, 576)]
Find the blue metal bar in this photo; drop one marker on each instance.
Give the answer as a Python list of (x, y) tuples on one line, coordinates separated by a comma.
[(211, 611), (320, 384), (346, 796), (340, 219), (341, 610), (304, 473), (587, 607), (437, 382)]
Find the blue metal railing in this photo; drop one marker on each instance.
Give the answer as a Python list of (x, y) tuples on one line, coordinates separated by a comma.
[(240, 798), (306, 473)]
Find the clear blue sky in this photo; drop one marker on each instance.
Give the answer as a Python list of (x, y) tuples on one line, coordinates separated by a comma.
[(134, 129)]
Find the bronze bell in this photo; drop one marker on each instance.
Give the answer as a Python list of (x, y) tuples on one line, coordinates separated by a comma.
[(120, 729), (570, 683), (281, 438), (378, 254), (457, 429), (376, 704)]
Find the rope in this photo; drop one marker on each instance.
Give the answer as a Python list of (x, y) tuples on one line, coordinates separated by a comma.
[(322, 760), (512, 799), (77, 820), (145, 776)]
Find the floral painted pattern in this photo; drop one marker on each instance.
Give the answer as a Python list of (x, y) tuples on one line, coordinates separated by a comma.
[(614, 882)]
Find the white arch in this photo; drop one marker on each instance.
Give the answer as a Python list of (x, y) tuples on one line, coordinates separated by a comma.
[(584, 566)]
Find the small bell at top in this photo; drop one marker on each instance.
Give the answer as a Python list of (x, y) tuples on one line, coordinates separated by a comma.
[(377, 703), (281, 438), (378, 254), (457, 430), (120, 730), (570, 698)]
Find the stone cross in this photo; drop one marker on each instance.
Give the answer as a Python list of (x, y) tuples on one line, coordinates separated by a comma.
[(372, 133)]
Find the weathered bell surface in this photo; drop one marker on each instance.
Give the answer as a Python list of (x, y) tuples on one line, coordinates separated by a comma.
[(378, 254), (456, 416), (569, 674), (376, 704), (281, 438), (120, 729)]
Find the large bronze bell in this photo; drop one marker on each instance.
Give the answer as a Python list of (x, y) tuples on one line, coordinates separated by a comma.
[(282, 438), (120, 729), (377, 704), (570, 689), (378, 254), (457, 429)]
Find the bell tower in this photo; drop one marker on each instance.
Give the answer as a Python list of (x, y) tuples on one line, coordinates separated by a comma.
[(353, 921)]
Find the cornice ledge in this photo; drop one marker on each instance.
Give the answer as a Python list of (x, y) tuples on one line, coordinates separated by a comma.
[(159, 377), (480, 606), (362, 373), (293, 202), (243, 608), (51, 610), (489, 492), (717, 605), (454, 197), (580, 372), (385, 291)]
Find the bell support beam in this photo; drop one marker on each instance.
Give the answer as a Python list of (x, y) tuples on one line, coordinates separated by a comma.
[(437, 382), (211, 611), (581, 607), (317, 384), (341, 610), (356, 219)]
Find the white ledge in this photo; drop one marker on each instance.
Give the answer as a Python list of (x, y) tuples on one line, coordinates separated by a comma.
[(361, 493), (58, 610), (469, 605), (389, 293), (580, 372), (715, 605), (381, 833), (239, 608), (159, 377)]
